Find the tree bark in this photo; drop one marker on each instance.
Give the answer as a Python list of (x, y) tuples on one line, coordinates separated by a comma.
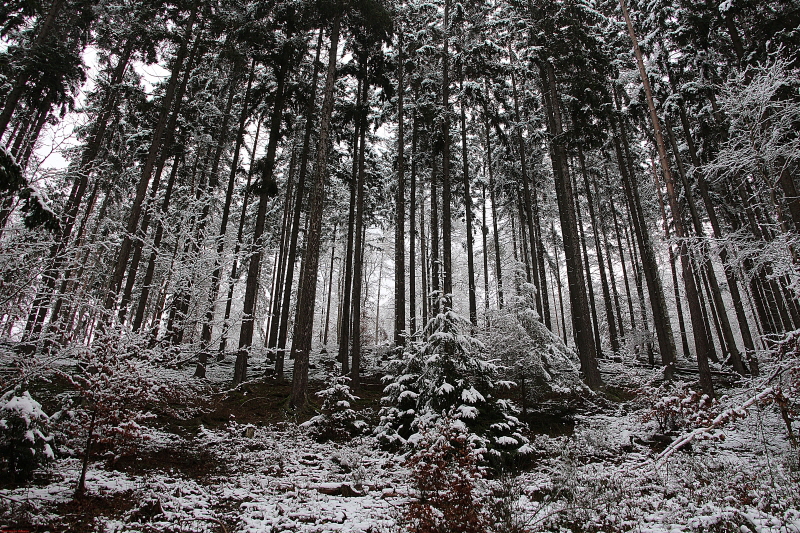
[(346, 317), (254, 266), (473, 305), (304, 322), (612, 327), (360, 229), (285, 308), (581, 320), (492, 197), (216, 275), (700, 340), (155, 146), (447, 219), (400, 215)]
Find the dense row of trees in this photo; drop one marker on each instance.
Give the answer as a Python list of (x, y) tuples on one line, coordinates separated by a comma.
[(635, 164)]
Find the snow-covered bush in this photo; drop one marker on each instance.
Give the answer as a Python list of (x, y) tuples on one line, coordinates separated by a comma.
[(450, 374), (536, 358), (445, 473), (338, 421), (674, 406), (24, 438), (117, 388)]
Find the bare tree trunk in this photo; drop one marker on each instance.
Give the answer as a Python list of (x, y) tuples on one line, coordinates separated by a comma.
[(700, 340), (346, 317), (254, 266), (425, 270), (400, 215), (285, 308), (485, 246), (304, 322), (412, 241), (223, 343), (493, 198), (612, 327), (360, 229), (581, 320), (473, 305), (589, 281), (447, 219), (330, 289), (216, 275), (155, 146)]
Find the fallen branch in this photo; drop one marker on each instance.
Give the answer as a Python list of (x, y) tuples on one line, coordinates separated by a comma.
[(722, 418)]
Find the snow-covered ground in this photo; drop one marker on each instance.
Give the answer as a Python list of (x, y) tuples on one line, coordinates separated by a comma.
[(607, 475), (602, 478)]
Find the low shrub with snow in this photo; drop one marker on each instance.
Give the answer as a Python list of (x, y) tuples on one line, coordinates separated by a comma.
[(445, 474), (25, 443), (338, 421), (543, 367), (116, 389), (450, 374), (675, 406)]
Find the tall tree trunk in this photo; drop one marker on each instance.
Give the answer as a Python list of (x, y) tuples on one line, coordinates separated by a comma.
[(589, 281), (359, 247), (279, 281), (649, 266), (330, 289), (523, 237), (400, 215), (612, 327), (291, 260), (412, 241), (447, 219), (492, 197), (346, 316), (528, 204), (147, 282), (436, 282), (223, 343), (304, 322), (216, 275), (473, 305), (169, 136), (719, 307), (700, 340), (558, 284), (254, 266), (621, 249), (485, 250), (581, 320), (425, 268), (147, 170), (612, 276)]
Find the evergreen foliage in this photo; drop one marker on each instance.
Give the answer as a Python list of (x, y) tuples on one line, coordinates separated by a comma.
[(449, 375), (337, 421), (25, 441)]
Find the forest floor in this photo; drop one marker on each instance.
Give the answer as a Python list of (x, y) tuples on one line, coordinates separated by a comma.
[(240, 462)]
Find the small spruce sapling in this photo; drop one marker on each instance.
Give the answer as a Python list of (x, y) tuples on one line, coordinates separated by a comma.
[(24, 437), (338, 421), (450, 373)]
